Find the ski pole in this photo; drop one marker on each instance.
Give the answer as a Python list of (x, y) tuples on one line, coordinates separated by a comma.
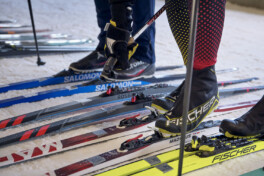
[(150, 21), (113, 61), (39, 61), (188, 79)]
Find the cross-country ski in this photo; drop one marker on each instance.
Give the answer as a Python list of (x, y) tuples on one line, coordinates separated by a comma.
[(122, 129), (131, 87)]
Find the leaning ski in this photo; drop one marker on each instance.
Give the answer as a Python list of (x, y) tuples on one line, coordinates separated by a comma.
[(5, 37), (57, 42), (19, 31), (7, 21), (19, 51), (62, 77), (122, 129), (12, 25), (207, 151)]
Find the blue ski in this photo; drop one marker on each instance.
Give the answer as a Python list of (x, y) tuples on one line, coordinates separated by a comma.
[(60, 78), (97, 86), (92, 86)]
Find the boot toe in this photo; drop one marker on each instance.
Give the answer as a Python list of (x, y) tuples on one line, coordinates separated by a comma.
[(161, 105), (232, 128), (167, 126), (74, 65), (161, 123)]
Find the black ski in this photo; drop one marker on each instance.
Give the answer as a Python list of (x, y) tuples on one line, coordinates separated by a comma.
[(112, 95), (138, 103), (7, 21), (8, 50)]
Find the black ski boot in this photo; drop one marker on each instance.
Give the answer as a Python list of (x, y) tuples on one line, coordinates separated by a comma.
[(204, 99), (93, 62), (163, 105), (120, 65), (137, 69), (251, 124), (120, 46)]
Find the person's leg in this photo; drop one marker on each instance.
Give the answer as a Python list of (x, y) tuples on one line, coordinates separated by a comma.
[(142, 12), (120, 46), (209, 31), (103, 15), (96, 59), (204, 91), (248, 125)]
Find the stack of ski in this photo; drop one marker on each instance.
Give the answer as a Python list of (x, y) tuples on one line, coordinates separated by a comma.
[(86, 119), (111, 96), (124, 128), (64, 76), (140, 146), (95, 86), (16, 39), (137, 104)]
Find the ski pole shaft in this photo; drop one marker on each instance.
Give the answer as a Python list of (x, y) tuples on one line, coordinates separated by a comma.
[(188, 79), (39, 62), (150, 21)]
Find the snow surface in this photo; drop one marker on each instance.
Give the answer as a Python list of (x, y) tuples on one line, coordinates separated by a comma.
[(241, 46)]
